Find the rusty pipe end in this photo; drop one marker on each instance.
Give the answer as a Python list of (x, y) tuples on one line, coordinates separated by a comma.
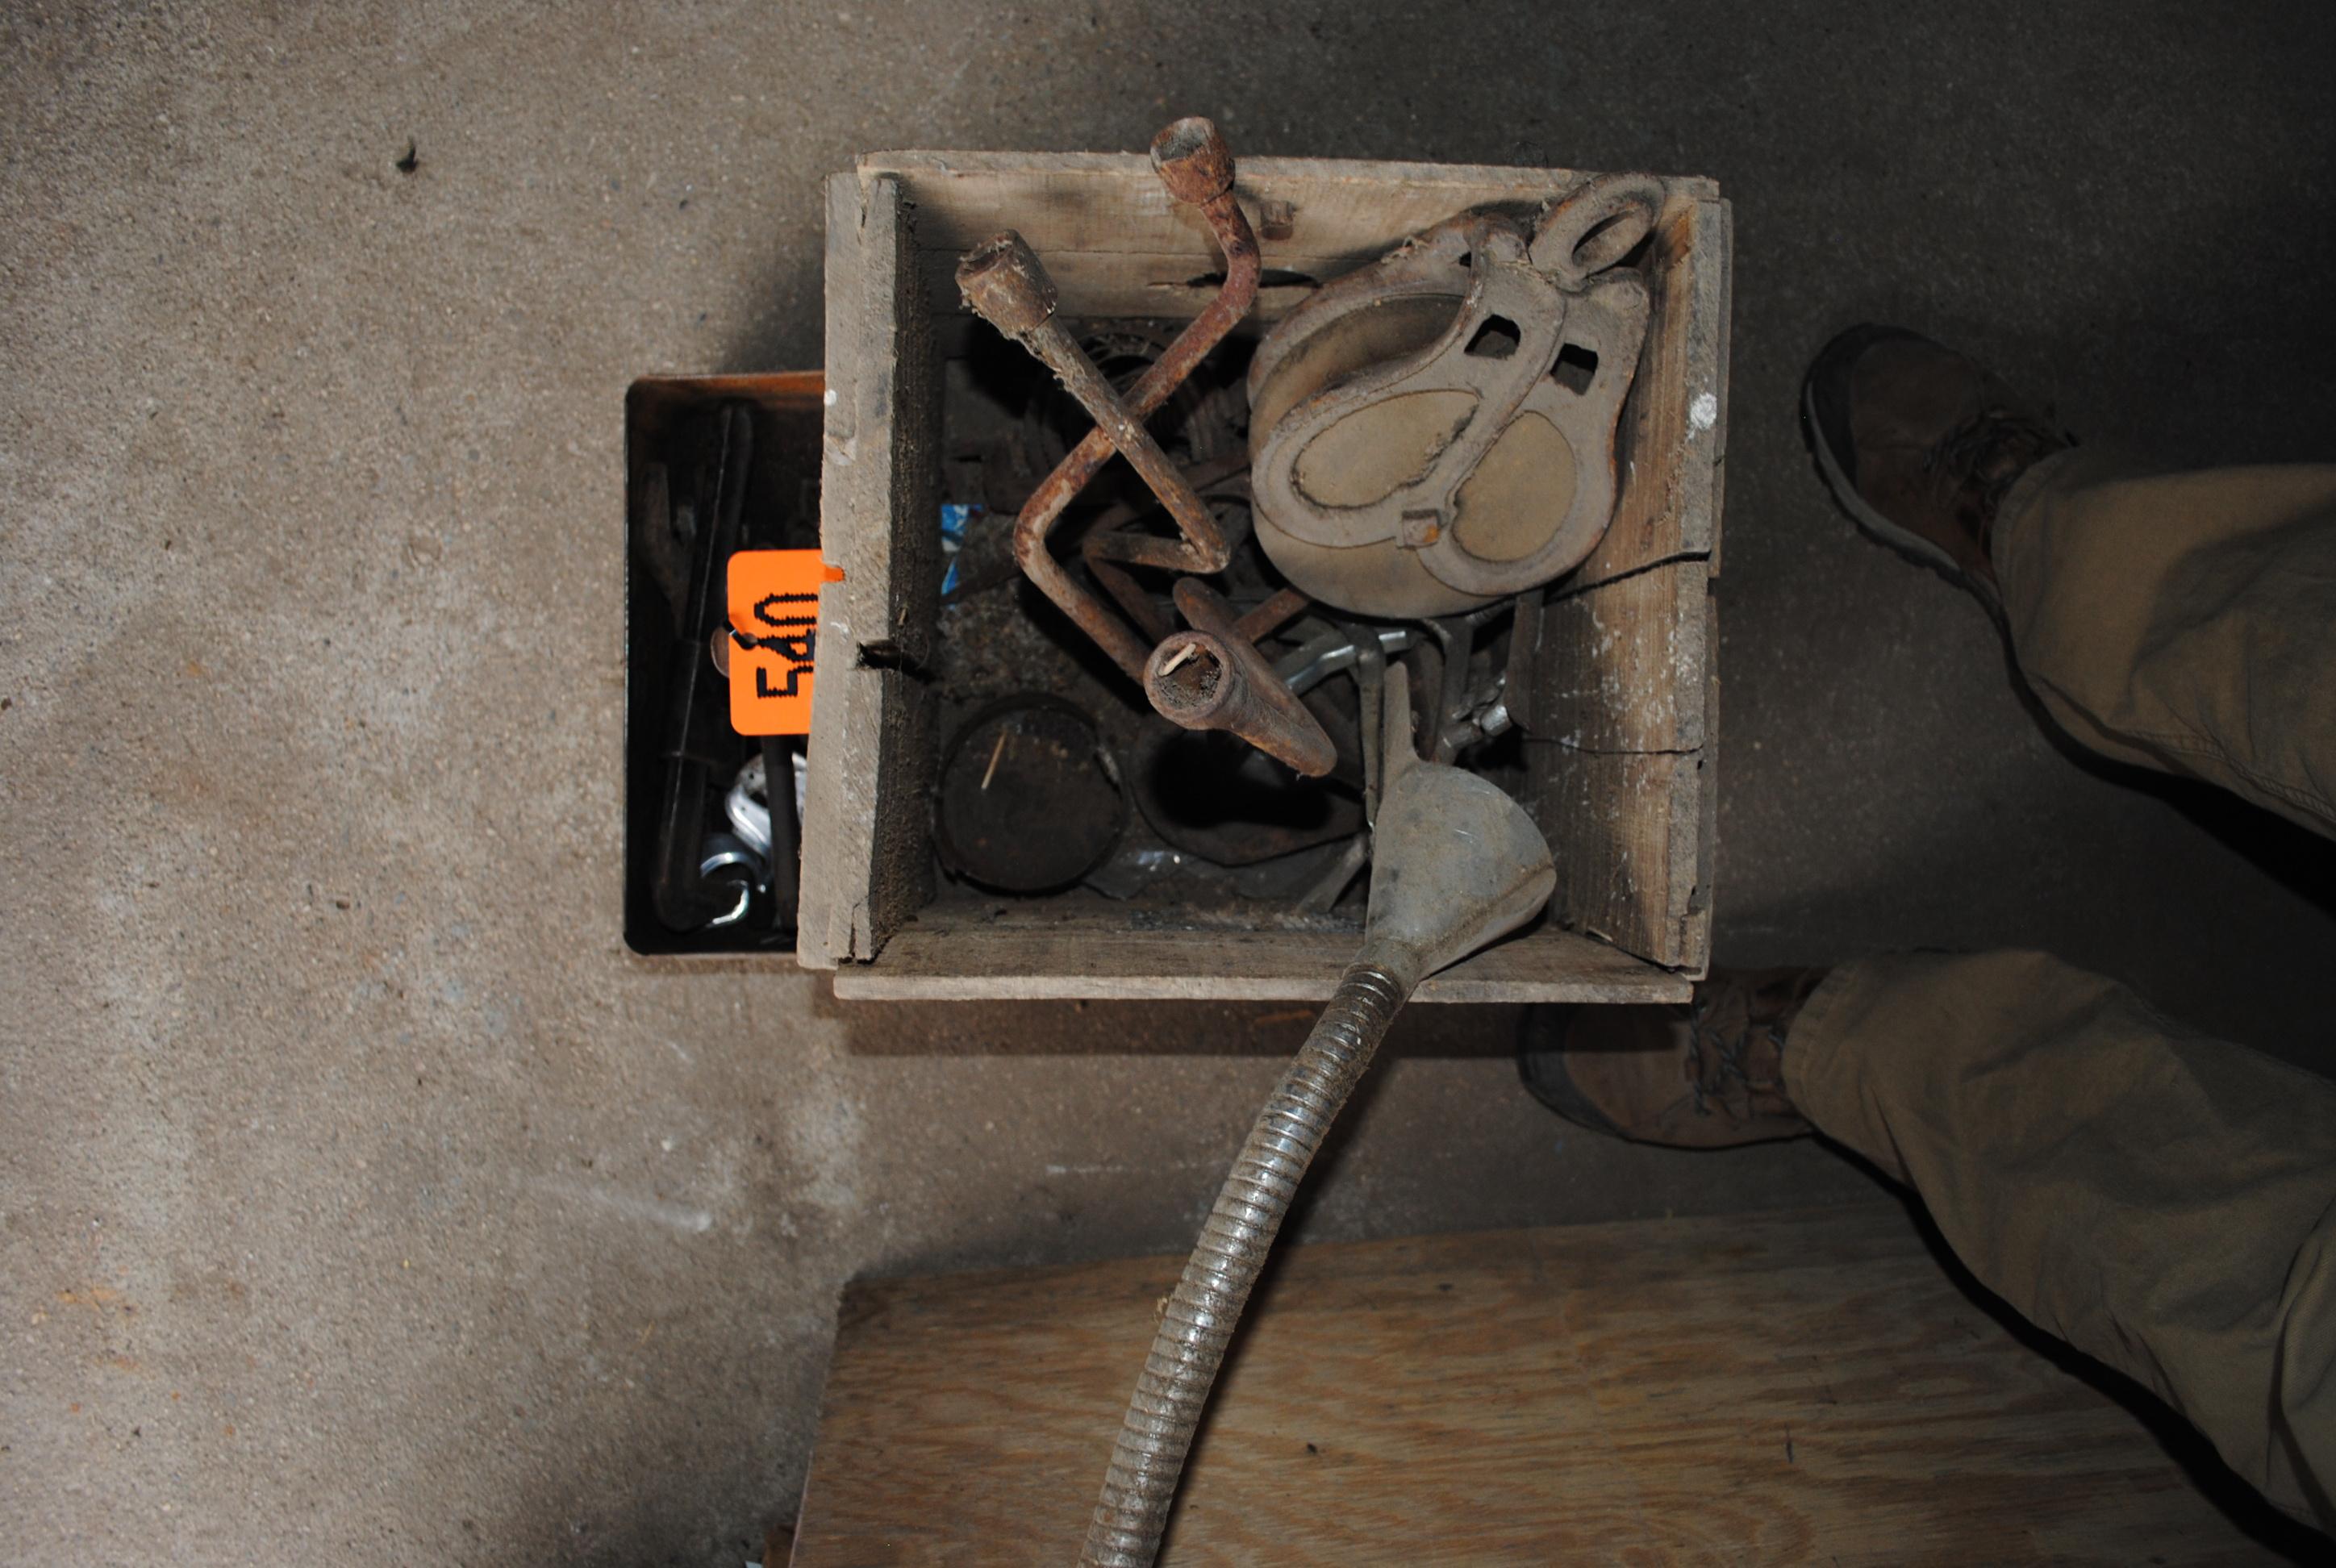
[(1192, 161), (1200, 680), (1193, 679), (1003, 281)]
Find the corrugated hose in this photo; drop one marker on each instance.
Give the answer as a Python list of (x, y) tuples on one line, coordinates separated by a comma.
[(1132, 1514)]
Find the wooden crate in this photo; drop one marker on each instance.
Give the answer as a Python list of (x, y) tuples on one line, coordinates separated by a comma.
[(1622, 784)]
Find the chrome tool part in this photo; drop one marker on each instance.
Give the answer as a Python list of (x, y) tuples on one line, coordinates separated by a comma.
[(1323, 657), (748, 806), (724, 861)]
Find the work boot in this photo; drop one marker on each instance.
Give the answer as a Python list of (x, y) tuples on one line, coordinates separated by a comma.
[(1703, 1075), (1919, 445)]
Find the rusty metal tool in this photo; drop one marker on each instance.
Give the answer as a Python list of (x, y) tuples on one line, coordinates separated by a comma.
[(1226, 476), (1212, 676), (1006, 286), (1458, 865)]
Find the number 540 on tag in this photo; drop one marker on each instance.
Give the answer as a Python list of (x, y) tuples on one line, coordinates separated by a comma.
[(775, 609)]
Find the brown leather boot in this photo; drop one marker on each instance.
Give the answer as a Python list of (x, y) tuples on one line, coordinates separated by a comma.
[(1704, 1075), (1919, 445)]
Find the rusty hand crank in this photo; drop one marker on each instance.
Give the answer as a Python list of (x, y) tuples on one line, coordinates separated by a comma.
[(1006, 285), (1212, 677), (1197, 168)]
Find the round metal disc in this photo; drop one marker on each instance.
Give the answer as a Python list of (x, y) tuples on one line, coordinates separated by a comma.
[(1030, 798)]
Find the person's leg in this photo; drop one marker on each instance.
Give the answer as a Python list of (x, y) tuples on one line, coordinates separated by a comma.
[(2179, 622), (2182, 621), (2163, 1201)]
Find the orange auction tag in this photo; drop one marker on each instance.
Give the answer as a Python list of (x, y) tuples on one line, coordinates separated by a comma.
[(775, 609)]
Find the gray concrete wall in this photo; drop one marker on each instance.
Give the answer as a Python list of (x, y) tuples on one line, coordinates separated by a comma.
[(362, 1201)]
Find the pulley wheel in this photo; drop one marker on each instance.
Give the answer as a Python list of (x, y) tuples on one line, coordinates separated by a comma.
[(1435, 432)]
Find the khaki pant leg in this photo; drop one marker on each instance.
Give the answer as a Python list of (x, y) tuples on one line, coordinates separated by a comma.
[(2182, 621), (2162, 1201)]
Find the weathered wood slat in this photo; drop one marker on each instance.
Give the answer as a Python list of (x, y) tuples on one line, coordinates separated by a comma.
[(1331, 211), (871, 751), (1778, 1388), (1626, 667), (959, 956), (1674, 430), (1622, 733), (1630, 834)]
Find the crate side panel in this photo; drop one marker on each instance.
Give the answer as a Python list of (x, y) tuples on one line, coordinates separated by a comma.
[(957, 956), (1116, 246), (870, 756), (1627, 829), (1624, 667)]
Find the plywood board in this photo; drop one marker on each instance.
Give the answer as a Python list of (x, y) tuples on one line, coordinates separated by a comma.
[(1782, 1387)]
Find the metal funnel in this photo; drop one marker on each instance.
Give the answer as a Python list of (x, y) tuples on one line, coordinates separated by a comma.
[(1455, 863)]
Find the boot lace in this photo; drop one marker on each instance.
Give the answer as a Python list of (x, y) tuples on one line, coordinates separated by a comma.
[(1984, 455)]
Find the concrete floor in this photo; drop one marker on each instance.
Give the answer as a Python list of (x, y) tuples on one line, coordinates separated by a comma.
[(361, 1201)]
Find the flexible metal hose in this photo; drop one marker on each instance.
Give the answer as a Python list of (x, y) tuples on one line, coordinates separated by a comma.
[(1146, 1462)]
